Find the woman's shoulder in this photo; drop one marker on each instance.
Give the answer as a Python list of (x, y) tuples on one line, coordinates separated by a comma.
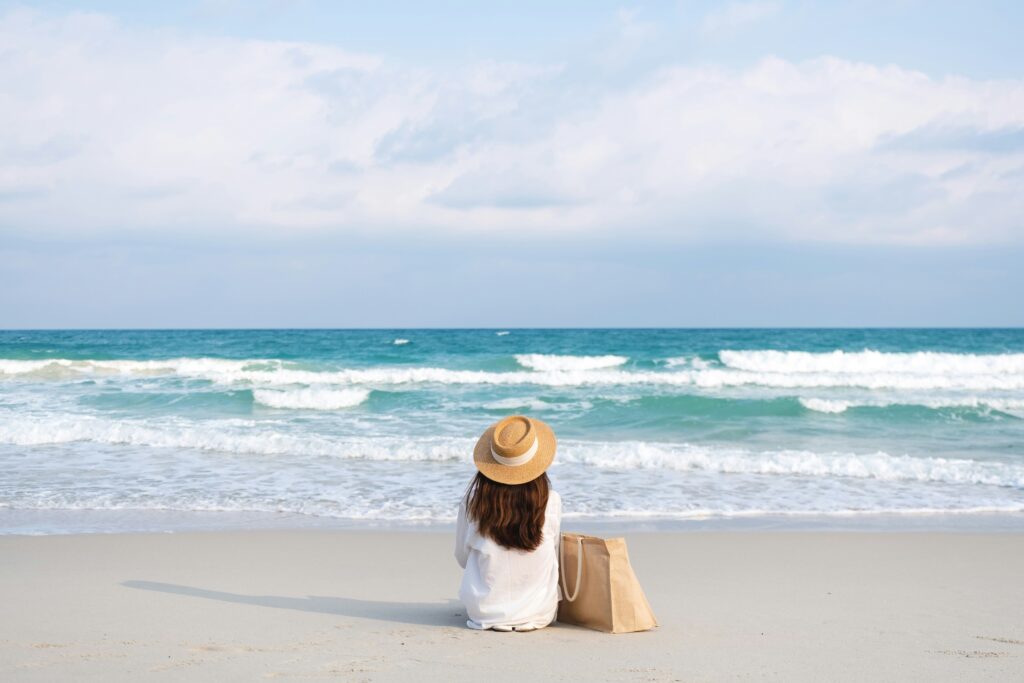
[(554, 500)]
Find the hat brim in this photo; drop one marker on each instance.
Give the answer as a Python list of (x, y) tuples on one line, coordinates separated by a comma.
[(519, 474)]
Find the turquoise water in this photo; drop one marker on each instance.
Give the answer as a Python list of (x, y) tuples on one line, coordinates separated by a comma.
[(377, 425)]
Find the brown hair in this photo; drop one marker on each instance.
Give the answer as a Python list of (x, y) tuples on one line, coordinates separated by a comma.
[(511, 515)]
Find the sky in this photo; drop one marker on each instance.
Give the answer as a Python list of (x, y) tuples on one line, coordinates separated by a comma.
[(219, 163)]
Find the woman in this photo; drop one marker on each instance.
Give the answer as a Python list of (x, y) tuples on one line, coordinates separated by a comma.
[(508, 529)]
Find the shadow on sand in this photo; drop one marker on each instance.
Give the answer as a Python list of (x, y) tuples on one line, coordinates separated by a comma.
[(450, 613)]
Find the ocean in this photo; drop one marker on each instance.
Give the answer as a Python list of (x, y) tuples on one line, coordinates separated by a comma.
[(107, 430)]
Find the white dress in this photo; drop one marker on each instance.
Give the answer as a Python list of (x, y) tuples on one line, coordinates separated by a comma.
[(505, 589)]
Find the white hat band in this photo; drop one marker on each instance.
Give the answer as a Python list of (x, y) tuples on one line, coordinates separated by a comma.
[(519, 459)]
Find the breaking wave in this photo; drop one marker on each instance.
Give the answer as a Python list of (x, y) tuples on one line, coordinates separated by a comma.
[(1005, 405), (311, 399), (921, 371), (248, 437), (872, 362), (824, 405)]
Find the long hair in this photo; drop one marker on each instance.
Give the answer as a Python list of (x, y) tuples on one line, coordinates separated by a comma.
[(511, 515)]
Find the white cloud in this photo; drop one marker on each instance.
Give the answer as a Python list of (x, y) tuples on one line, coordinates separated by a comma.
[(110, 128), (630, 37), (736, 15)]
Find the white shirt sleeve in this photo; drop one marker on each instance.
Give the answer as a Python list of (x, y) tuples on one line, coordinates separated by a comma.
[(461, 531)]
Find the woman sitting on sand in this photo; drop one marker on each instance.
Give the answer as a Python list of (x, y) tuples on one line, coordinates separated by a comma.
[(509, 528)]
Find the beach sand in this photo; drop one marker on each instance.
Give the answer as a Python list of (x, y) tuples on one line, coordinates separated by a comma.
[(380, 606)]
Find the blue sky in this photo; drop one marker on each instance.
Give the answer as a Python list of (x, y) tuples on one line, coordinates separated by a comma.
[(277, 163), (979, 39)]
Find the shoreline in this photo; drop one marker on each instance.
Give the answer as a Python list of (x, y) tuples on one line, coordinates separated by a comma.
[(373, 606), (33, 523)]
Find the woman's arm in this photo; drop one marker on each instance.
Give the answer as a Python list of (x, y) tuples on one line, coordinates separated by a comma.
[(461, 532)]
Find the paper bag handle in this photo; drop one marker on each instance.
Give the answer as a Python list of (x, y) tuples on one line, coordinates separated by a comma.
[(579, 567)]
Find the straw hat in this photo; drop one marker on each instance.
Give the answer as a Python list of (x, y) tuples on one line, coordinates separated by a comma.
[(515, 450)]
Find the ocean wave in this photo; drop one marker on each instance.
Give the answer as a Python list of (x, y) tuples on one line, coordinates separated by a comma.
[(400, 342), (1004, 405), (703, 379), (927, 363), (885, 380), (825, 405), (247, 437), (59, 368), (552, 362), (243, 437), (175, 502), (1001, 373), (879, 465), (311, 399)]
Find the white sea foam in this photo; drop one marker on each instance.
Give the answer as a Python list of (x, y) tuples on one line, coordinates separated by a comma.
[(400, 342), (427, 511), (517, 404), (311, 399), (887, 380), (17, 367), (433, 375), (248, 437), (227, 436), (1006, 405), (713, 513), (780, 370), (553, 362), (874, 362), (824, 405), (879, 465), (194, 367), (502, 333), (707, 379)]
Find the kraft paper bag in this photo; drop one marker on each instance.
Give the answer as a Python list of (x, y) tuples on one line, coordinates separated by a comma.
[(599, 589)]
